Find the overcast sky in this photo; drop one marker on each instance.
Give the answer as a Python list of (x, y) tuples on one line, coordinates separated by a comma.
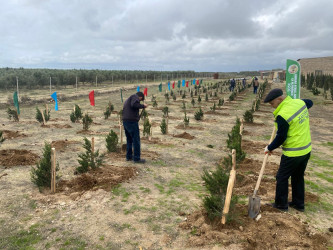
[(209, 35)]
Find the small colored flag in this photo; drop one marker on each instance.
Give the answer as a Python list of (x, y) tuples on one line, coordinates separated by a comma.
[(160, 87), (178, 84), (121, 95), (173, 85), (183, 83), (193, 83), (293, 79), (145, 92), (16, 102), (198, 82), (54, 97), (138, 89), (169, 86), (186, 83), (92, 98)]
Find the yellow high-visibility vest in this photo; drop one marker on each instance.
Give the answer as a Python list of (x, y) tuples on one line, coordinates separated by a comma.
[(295, 112)]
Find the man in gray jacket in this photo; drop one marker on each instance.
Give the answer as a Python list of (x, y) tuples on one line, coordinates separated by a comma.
[(131, 119)]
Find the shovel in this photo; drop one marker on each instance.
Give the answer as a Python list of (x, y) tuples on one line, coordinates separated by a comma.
[(254, 200)]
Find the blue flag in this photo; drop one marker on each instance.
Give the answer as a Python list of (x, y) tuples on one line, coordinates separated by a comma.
[(193, 81), (169, 85), (138, 89), (54, 97), (183, 83)]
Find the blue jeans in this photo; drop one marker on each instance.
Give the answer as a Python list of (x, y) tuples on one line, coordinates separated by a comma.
[(255, 89), (132, 133)]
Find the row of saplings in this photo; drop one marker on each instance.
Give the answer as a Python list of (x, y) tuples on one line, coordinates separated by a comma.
[(89, 160)]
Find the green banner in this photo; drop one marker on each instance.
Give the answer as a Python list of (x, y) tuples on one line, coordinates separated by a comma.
[(16, 103), (160, 87), (293, 79)]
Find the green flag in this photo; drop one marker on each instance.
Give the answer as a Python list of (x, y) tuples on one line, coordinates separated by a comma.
[(16, 103), (178, 85), (121, 95), (160, 87), (293, 79)]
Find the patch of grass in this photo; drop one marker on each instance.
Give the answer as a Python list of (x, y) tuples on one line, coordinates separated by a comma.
[(159, 163), (319, 189), (320, 206), (22, 239), (326, 175), (329, 144), (145, 190), (159, 187), (73, 243), (320, 162), (120, 191)]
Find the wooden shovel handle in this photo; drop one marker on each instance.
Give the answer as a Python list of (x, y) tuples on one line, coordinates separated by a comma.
[(263, 165)]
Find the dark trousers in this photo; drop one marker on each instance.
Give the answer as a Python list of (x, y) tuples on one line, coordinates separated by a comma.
[(255, 89), (132, 133), (293, 167)]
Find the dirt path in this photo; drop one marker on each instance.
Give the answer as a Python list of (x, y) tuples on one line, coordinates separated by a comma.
[(155, 201)]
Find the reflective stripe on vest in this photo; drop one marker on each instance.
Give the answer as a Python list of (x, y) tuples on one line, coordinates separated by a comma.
[(297, 149), (296, 114)]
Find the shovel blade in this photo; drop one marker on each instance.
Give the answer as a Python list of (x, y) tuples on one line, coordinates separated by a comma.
[(254, 206)]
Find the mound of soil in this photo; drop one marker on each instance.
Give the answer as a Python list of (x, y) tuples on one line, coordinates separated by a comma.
[(62, 145), (275, 230), (151, 155), (181, 126), (154, 140), (185, 136), (250, 166), (253, 147), (216, 113), (101, 178), (15, 157), (8, 134), (56, 126)]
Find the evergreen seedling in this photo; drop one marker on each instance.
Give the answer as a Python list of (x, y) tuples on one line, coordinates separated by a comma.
[(206, 98), (111, 141), (184, 95), (39, 116), (76, 114), (155, 103), (199, 99), (248, 116), (213, 108), (174, 97), (221, 102), (1, 138), (12, 114), (166, 95), (146, 127), (87, 121), (193, 102), (186, 120), (144, 114), (234, 141), (108, 110), (41, 174), (198, 115), (165, 111), (89, 160), (184, 106), (163, 126)]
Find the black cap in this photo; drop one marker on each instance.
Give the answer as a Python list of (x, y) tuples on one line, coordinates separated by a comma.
[(274, 93), (140, 94)]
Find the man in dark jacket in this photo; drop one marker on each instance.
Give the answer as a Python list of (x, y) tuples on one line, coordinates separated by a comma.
[(131, 119)]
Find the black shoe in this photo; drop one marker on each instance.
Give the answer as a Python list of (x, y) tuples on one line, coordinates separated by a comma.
[(298, 208), (129, 159), (140, 161), (282, 209)]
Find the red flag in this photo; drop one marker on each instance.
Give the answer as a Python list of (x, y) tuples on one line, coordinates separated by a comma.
[(145, 92), (173, 85), (92, 98), (198, 82), (186, 83)]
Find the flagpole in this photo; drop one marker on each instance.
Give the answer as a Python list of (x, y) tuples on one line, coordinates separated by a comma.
[(50, 85), (96, 81), (76, 84)]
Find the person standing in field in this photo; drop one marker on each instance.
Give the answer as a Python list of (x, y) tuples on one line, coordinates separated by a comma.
[(293, 133), (244, 82), (131, 125), (232, 84), (255, 85)]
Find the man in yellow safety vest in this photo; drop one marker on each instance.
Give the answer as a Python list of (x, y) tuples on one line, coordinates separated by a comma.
[(293, 134)]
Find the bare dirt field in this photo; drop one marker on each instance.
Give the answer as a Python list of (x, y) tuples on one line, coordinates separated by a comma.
[(157, 205)]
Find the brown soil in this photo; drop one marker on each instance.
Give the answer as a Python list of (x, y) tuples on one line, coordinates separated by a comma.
[(275, 230), (56, 126), (264, 111), (250, 166), (185, 136), (252, 147), (154, 141), (89, 132), (15, 157), (216, 113), (151, 155), (8, 134), (254, 124), (102, 178), (181, 126), (62, 145)]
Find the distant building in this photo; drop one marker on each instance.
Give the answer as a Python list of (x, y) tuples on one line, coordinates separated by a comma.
[(216, 76), (318, 65)]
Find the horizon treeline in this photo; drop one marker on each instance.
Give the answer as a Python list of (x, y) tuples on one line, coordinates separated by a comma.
[(32, 78)]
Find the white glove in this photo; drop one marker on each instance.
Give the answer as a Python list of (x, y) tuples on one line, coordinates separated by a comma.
[(267, 151)]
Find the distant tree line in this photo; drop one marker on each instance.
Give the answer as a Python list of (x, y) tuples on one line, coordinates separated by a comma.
[(313, 81), (34, 78)]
